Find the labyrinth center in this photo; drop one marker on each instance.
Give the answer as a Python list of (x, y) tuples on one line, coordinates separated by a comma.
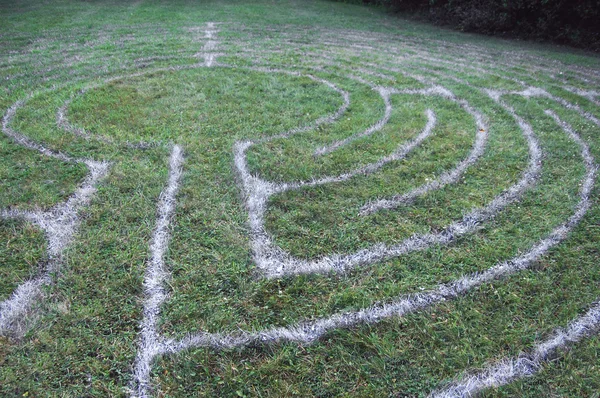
[(287, 202)]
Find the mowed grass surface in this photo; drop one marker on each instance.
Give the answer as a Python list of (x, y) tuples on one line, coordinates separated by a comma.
[(84, 342)]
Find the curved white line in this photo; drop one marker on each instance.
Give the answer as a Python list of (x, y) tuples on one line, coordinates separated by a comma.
[(506, 371), (59, 224), (446, 178), (274, 262), (308, 332)]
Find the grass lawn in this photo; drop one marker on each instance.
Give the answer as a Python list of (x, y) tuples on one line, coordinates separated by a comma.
[(344, 172)]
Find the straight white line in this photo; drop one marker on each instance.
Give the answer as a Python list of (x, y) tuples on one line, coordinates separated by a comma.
[(156, 273), (210, 46)]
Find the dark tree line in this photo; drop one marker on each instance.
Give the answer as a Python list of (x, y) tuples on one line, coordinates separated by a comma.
[(573, 22)]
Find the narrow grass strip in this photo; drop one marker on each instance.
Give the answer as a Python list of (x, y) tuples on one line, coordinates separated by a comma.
[(540, 93), (446, 178), (385, 95)]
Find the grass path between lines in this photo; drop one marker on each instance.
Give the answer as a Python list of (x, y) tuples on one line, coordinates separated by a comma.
[(271, 199)]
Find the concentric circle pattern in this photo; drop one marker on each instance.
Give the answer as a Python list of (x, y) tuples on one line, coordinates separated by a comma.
[(260, 187)]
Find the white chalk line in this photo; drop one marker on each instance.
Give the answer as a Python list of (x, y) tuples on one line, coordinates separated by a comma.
[(381, 45), (324, 120), (308, 332), (531, 91), (208, 51), (400, 153), (242, 149), (453, 65), (478, 52), (537, 92), (459, 67), (370, 168), (150, 342), (59, 224), (524, 365), (311, 331), (274, 262), (26, 142), (220, 344), (506, 371), (590, 95), (446, 178), (63, 122), (258, 191), (385, 95)]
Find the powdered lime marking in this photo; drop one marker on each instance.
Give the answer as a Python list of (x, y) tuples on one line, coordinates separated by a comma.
[(446, 178), (508, 370), (591, 95), (210, 33), (209, 48), (59, 225), (385, 94), (274, 262), (308, 332), (541, 93), (524, 365), (63, 122), (319, 122), (149, 344), (258, 192), (26, 142)]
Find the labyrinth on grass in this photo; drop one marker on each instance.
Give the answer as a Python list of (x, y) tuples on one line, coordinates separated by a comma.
[(220, 209)]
